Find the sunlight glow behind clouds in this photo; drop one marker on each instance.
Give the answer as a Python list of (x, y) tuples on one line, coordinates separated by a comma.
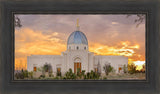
[(114, 23), (107, 35)]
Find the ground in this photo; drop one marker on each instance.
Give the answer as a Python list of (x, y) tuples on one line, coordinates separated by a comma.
[(111, 76), (138, 76)]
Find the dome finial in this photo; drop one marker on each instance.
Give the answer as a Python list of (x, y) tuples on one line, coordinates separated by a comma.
[(77, 24)]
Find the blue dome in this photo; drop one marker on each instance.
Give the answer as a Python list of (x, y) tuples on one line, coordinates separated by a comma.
[(77, 37)]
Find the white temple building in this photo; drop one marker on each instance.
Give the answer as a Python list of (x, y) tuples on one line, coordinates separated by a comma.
[(76, 56)]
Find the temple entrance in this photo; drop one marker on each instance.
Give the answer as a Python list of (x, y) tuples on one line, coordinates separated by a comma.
[(77, 65)]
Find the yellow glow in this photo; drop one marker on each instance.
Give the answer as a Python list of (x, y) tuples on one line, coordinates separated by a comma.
[(124, 50), (28, 42), (139, 64)]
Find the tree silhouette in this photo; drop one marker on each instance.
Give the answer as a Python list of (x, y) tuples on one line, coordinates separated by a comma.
[(17, 21), (140, 18)]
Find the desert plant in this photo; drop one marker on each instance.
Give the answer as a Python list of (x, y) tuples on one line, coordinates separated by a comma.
[(104, 78), (83, 73), (132, 68), (91, 74), (47, 67), (78, 71), (25, 73), (70, 75), (88, 76), (56, 78), (59, 74), (143, 68), (107, 68), (124, 68), (42, 76), (30, 74), (17, 75)]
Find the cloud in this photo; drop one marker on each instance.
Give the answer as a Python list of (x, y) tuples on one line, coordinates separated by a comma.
[(106, 34), (114, 23), (29, 42), (123, 49)]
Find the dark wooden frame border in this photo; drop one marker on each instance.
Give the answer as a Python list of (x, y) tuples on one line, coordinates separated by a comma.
[(74, 13), (149, 86)]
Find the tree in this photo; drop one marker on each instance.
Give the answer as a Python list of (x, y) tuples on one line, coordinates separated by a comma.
[(143, 68), (139, 20), (17, 21), (124, 68), (107, 68), (132, 68), (47, 68)]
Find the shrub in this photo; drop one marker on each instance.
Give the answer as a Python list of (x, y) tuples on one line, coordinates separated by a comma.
[(132, 68), (70, 75), (56, 78), (42, 76), (125, 69), (30, 74), (58, 73), (104, 78), (107, 68)]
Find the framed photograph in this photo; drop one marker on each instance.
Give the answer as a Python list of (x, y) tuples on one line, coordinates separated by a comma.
[(46, 51), (74, 47)]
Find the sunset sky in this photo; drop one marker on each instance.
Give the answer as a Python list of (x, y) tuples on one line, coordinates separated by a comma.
[(106, 34)]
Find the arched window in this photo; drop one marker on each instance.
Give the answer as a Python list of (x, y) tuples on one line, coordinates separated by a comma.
[(77, 47), (84, 48)]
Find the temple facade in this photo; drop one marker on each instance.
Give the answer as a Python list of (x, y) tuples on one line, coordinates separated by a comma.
[(77, 56)]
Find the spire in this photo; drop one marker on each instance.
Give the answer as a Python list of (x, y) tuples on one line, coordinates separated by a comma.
[(77, 25)]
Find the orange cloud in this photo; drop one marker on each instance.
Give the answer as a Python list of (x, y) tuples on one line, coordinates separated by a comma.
[(124, 49), (28, 42)]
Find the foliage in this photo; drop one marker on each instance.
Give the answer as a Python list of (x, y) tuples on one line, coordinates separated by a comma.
[(70, 75), (19, 76), (92, 75), (39, 69), (30, 74), (42, 76), (81, 75), (59, 74), (22, 74), (104, 78), (83, 72), (107, 68), (140, 18), (124, 68), (17, 22), (143, 68), (25, 73), (56, 78), (132, 68), (47, 68)]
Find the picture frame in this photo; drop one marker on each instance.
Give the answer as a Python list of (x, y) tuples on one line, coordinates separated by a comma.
[(148, 86)]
